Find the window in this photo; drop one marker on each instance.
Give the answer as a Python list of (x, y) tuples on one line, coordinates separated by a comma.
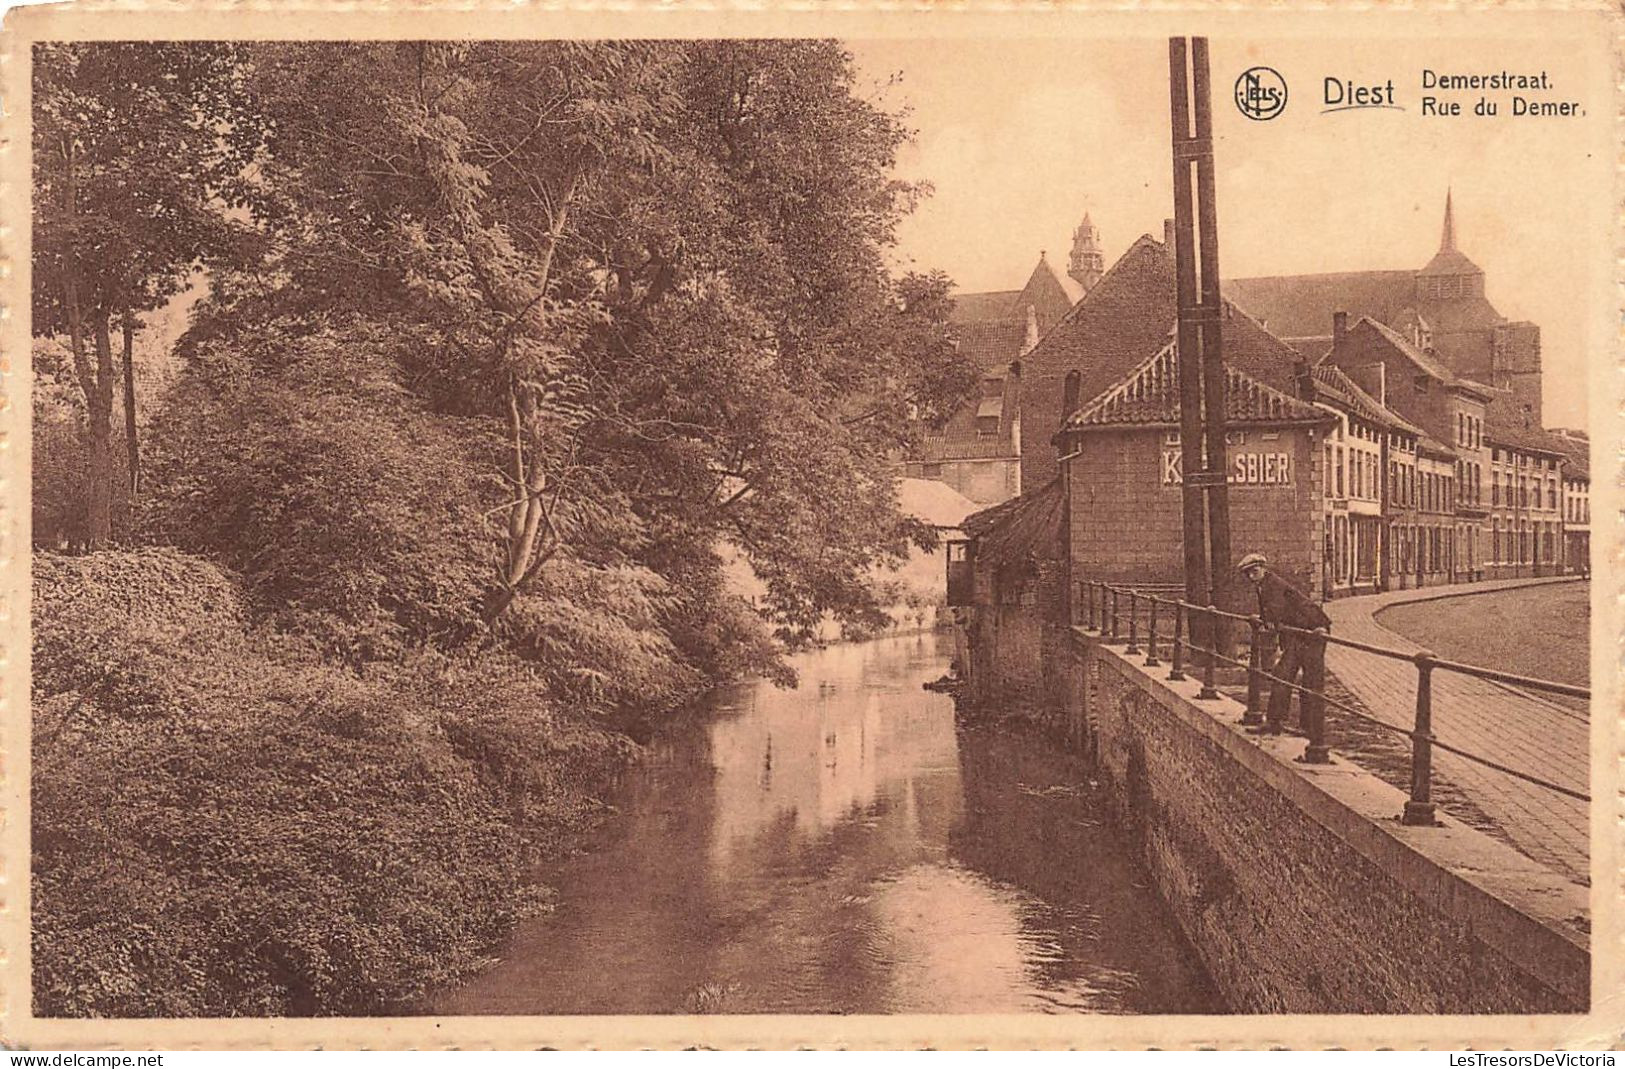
[(1551, 493), (1461, 429), (1495, 488), (1340, 471), (1421, 384), (1495, 541), (987, 426)]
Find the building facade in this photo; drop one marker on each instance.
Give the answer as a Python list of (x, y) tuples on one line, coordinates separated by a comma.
[(977, 450)]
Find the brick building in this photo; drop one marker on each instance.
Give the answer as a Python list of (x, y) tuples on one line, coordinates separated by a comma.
[(1526, 510), (1440, 308), (1576, 498), (1436, 506), (977, 451), (1123, 472)]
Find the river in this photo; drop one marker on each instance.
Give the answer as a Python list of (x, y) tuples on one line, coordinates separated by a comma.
[(842, 848)]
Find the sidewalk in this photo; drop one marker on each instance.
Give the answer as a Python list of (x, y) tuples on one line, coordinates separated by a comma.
[(1515, 728)]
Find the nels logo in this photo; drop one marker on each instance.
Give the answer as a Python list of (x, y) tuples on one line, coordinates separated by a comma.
[(1261, 93)]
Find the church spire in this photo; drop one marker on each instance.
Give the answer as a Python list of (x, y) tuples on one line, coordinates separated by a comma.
[(1087, 263), (1447, 242)]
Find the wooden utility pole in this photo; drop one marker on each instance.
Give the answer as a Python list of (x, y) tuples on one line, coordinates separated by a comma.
[(1211, 313), (1194, 512), (1204, 457)]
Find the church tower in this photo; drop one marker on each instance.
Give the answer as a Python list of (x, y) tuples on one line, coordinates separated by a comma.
[(1088, 263), (1450, 275)]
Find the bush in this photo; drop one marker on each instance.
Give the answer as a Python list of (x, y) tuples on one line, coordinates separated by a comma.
[(220, 831)]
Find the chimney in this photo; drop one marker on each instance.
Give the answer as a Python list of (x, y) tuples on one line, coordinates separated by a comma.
[(1168, 234), (1304, 379), (1340, 329), (1030, 342)]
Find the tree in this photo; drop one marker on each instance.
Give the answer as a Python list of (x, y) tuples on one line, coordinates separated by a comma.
[(654, 271), (138, 149)]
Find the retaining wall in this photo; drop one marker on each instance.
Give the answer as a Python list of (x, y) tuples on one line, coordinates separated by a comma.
[(1297, 885)]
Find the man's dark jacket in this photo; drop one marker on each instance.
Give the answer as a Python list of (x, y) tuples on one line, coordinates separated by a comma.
[(1279, 602)]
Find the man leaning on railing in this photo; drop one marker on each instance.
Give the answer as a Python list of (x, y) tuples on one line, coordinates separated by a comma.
[(1282, 605)]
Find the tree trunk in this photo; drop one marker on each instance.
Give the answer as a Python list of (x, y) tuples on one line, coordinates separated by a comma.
[(99, 476), (130, 441)]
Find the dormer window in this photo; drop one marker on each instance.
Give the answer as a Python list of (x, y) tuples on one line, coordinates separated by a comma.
[(1421, 384)]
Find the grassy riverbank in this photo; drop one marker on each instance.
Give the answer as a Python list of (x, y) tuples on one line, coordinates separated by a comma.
[(223, 826)]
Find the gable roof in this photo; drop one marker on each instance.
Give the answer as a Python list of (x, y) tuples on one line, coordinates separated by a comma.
[(1424, 362), (1045, 294), (1301, 306), (992, 344), (1576, 457), (1127, 319), (1336, 383), (981, 307), (1149, 396)]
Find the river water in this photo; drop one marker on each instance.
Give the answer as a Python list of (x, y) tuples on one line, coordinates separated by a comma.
[(841, 848)]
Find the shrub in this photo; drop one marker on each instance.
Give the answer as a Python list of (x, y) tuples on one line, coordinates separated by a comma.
[(221, 831)]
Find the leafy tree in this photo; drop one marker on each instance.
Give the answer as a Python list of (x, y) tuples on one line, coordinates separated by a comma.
[(658, 267), (134, 146)]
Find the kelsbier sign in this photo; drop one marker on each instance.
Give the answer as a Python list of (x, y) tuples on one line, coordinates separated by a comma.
[(1246, 469)]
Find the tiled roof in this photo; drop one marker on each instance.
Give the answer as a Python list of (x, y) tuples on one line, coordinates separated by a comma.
[(1451, 262), (1149, 395), (981, 307), (1428, 445), (1045, 294), (1301, 306), (992, 344), (1423, 361), (1020, 529), (937, 448), (1129, 317), (1333, 380), (1576, 457)]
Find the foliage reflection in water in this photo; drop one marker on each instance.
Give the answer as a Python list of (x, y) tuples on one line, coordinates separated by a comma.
[(841, 848)]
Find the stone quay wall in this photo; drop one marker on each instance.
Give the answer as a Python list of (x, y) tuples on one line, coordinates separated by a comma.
[(1296, 885)]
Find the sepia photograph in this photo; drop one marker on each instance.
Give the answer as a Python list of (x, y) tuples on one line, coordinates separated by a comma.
[(1048, 521)]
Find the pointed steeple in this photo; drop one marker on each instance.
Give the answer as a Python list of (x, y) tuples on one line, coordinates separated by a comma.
[(1450, 274), (1087, 263)]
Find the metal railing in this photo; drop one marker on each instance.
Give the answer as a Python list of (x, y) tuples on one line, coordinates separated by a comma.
[(1104, 607)]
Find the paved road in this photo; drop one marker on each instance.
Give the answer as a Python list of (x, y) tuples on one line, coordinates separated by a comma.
[(1513, 727)]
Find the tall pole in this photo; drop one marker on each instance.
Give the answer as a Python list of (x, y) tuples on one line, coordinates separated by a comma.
[(1218, 489), (1188, 345)]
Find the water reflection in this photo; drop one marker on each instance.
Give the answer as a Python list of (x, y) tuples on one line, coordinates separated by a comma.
[(839, 848)]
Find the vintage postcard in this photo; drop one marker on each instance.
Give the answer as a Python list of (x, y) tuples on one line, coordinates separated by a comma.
[(1005, 526)]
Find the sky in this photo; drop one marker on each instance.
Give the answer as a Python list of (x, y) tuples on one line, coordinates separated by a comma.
[(1019, 137)]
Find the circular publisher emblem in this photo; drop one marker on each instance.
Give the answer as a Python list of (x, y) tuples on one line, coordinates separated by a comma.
[(1261, 93)]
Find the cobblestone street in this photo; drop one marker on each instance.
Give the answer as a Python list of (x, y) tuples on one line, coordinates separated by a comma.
[(1516, 728)]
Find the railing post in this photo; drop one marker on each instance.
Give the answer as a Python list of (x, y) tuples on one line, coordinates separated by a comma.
[(1151, 638), (1208, 689), (1312, 711), (1255, 674), (1133, 623), (1114, 613), (1177, 672), (1090, 587), (1419, 808)]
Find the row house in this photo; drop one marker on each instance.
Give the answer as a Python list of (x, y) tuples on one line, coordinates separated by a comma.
[(1435, 512), (1526, 488), (1576, 476)]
